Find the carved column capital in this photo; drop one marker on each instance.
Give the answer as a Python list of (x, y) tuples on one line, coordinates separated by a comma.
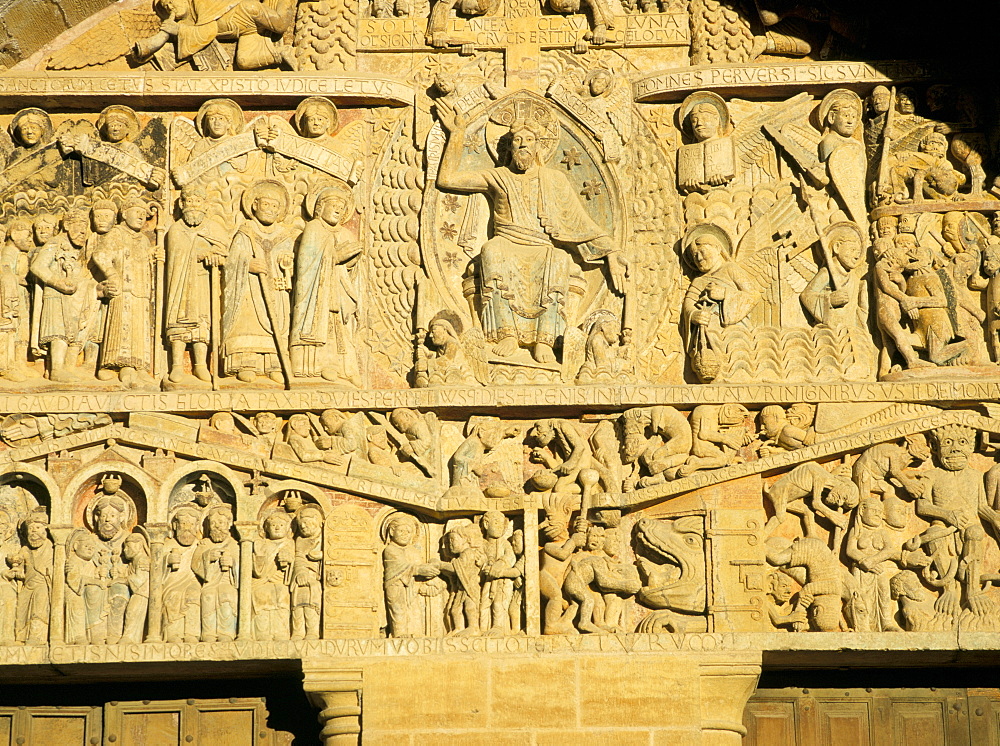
[(726, 685), (337, 693), (60, 534)]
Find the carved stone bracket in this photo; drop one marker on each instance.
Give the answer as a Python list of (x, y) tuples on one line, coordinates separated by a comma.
[(337, 693)]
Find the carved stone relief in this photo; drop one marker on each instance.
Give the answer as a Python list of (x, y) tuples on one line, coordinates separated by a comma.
[(390, 319)]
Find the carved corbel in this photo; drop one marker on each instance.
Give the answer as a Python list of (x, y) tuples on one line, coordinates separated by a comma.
[(726, 685), (337, 694)]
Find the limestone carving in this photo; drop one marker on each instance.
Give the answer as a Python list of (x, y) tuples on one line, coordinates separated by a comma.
[(526, 289)]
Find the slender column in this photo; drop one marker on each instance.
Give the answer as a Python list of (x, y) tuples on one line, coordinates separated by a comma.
[(246, 532), (532, 594), (157, 535), (57, 596)]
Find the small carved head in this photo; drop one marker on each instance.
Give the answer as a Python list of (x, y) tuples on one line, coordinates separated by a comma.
[(843, 493), (266, 201), (31, 127), (599, 81), (219, 522), (118, 123), (772, 419), (277, 524), (334, 203), (886, 226), (917, 447), (525, 144), (991, 256), (266, 422), (595, 538), (332, 420), (954, 445), (880, 98), (103, 215), (20, 232), (134, 547), (444, 83), (401, 529), (543, 432), (315, 117), (935, 144), (219, 117), (906, 584), (456, 541), (110, 514), (494, 524), (704, 115), (905, 98), (35, 527), (76, 225), (780, 587), (308, 521), (871, 512), (443, 329), (846, 243), (707, 247), (299, 424), (46, 225), (403, 419), (841, 112), (85, 547), (185, 524), (193, 208)]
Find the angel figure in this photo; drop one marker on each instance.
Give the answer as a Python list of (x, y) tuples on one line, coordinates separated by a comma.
[(605, 358), (194, 25), (603, 105), (722, 296), (30, 157), (216, 145), (318, 145), (834, 158), (450, 360), (720, 153), (109, 150)]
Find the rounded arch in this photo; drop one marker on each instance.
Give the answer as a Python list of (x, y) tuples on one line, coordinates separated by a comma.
[(21, 470), (159, 511), (95, 471), (287, 485)]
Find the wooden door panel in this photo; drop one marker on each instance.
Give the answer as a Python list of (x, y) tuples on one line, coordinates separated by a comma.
[(873, 717), (844, 723), (770, 723)]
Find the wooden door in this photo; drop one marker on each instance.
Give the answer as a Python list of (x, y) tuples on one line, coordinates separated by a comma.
[(871, 717), (219, 722)]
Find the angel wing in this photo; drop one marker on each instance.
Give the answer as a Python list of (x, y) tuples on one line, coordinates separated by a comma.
[(183, 137), (351, 139), (754, 151), (910, 140), (107, 41), (474, 346), (620, 112), (391, 274), (6, 148)]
